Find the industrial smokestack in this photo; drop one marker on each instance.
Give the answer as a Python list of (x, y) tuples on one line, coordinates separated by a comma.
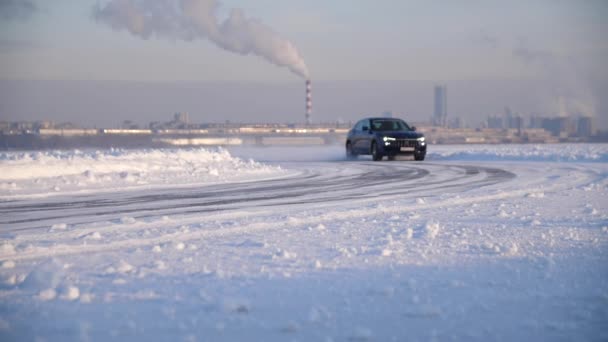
[(188, 20), (308, 101)]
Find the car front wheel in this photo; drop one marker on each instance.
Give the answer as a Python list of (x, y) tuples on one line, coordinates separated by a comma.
[(376, 155)]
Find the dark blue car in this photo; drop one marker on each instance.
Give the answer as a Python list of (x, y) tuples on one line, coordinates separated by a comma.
[(385, 137)]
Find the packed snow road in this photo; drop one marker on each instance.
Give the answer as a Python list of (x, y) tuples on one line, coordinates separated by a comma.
[(477, 243)]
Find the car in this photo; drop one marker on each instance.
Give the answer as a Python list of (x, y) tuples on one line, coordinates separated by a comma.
[(381, 137)]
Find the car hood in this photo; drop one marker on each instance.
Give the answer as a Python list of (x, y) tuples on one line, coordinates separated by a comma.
[(401, 135)]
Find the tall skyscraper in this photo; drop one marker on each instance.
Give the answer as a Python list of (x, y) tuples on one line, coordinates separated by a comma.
[(441, 106)]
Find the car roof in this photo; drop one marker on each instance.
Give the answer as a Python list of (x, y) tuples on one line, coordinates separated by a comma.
[(381, 118)]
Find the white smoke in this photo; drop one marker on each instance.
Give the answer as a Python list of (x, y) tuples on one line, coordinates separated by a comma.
[(197, 19), (570, 87)]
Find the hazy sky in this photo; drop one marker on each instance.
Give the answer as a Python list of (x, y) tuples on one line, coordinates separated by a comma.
[(559, 42)]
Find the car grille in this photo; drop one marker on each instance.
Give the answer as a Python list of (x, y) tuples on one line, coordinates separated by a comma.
[(406, 143)]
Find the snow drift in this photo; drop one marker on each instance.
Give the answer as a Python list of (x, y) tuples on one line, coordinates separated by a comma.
[(47, 173)]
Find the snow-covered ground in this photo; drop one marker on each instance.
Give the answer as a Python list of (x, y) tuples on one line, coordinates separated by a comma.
[(475, 243)]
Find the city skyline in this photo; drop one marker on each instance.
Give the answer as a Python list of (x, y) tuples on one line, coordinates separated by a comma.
[(108, 103)]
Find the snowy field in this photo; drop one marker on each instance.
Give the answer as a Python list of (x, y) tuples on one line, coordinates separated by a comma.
[(476, 243)]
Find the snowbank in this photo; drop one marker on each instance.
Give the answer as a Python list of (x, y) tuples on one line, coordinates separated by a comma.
[(50, 172), (544, 153)]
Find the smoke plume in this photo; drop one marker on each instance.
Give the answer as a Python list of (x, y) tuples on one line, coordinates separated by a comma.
[(571, 91), (569, 87), (197, 19)]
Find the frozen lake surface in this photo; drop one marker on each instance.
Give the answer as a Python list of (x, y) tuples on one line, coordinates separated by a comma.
[(298, 244)]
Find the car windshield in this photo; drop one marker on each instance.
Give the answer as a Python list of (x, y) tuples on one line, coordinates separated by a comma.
[(389, 125)]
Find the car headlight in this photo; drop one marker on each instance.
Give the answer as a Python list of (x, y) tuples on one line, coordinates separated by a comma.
[(388, 139), (421, 139)]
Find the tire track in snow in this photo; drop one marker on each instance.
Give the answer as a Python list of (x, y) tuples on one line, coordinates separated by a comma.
[(277, 217), (66, 247), (316, 183)]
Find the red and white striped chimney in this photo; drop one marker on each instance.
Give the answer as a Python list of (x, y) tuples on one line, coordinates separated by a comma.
[(308, 101)]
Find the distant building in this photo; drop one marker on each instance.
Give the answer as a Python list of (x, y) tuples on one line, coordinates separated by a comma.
[(536, 122), (511, 120), (456, 123), (495, 122), (66, 125), (181, 118), (155, 125), (508, 115), (180, 121), (22, 126), (128, 124), (440, 113), (584, 127), (558, 126), (43, 124), (517, 122)]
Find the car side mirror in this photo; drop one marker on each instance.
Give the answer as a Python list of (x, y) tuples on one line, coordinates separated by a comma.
[(414, 128), (365, 128)]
